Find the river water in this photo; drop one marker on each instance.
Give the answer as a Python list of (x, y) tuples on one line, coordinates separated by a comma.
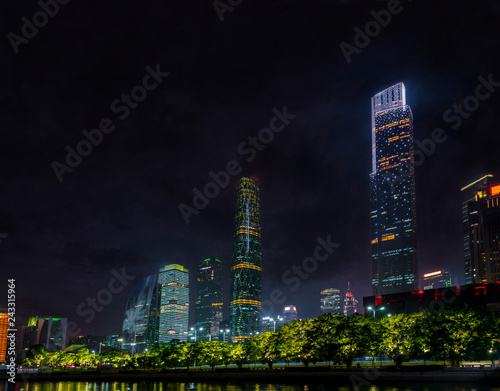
[(202, 386)]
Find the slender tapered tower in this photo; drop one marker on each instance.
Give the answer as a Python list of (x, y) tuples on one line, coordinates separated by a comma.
[(246, 263), (393, 217)]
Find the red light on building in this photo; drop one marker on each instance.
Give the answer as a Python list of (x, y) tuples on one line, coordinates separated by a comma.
[(495, 190), (480, 290), (378, 300)]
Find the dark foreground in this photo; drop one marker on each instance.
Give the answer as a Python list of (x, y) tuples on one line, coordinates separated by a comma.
[(358, 377)]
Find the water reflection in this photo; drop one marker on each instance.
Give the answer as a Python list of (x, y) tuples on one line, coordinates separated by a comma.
[(189, 386)]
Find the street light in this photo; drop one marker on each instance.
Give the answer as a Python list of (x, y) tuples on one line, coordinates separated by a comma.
[(195, 336), (375, 310), (133, 347), (224, 332)]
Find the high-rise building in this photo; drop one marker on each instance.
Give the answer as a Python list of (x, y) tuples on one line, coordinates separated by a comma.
[(392, 194), (4, 327), (174, 303), (271, 324), (246, 263), (52, 333), (484, 234), (330, 301), (289, 313), (209, 301), (140, 325), (350, 303), (468, 194), (30, 333), (438, 279)]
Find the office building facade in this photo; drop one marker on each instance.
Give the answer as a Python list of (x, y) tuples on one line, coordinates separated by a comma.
[(473, 295), (246, 263), (141, 321), (52, 333), (209, 300), (350, 302), (437, 279), (483, 218), (392, 194), (4, 327), (174, 303), (289, 313), (330, 302)]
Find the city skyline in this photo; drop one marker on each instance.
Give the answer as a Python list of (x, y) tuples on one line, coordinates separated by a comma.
[(280, 103)]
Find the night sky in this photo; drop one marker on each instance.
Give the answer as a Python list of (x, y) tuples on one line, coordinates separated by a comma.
[(119, 207)]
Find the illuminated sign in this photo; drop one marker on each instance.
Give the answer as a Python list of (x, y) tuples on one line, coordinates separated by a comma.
[(287, 308), (432, 274), (389, 237), (495, 190)]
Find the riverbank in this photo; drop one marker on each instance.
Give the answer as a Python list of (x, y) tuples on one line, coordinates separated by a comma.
[(354, 376)]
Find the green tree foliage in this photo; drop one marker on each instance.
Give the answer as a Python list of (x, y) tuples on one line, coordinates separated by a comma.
[(453, 334), (396, 337)]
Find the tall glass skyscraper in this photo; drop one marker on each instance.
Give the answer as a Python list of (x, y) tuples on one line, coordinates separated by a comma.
[(209, 303), (484, 233), (140, 324), (330, 301), (52, 333), (469, 195), (174, 303), (350, 302), (392, 194), (246, 263)]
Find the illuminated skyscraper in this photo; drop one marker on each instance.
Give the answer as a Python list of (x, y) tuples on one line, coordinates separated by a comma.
[(350, 303), (468, 195), (289, 313), (30, 333), (52, 333), (330, 301), (174, 303), (246, 263), (435, 280), (4, 327), (209, 300), (392, 194), (484, 234), (140, 325)]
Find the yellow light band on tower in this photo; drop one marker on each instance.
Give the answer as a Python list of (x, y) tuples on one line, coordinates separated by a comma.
[(388, 237), (243, 301), (248, 232), (246, 266)]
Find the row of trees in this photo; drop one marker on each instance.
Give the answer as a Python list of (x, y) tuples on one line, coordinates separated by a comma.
[(38, 355), (454, 334)]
